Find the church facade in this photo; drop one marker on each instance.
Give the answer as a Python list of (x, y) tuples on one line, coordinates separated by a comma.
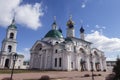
[(8, 49), (54, 52)]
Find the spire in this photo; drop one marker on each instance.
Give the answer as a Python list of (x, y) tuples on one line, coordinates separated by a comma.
[(54, 25), (70, 23), (13, 23)]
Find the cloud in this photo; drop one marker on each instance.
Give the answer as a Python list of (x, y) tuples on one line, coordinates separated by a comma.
[(100, 27), (27, 14), (106, 44), (83, 4), (26, 53)]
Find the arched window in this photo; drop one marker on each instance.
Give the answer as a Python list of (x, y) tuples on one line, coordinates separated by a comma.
[(9, 48), (11, 35), (81, 50)]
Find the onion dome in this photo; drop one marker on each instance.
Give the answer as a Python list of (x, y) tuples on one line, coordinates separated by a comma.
[(54, 33), (82, 30), (70, 23)]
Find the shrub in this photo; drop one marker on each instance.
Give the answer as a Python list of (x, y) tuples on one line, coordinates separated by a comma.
[(99, 75), (104, 70), (86, 75), (45, 77)]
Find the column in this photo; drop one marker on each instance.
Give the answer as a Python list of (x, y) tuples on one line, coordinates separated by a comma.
[(94, 67), (101, 64), (87, 63), (78, 62), (104, 64), (68, 63)]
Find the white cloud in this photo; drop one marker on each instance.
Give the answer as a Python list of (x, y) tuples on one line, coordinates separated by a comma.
[(83, 4), (26, 53), (26, 49), (106, 44), (27, 14), (97, 26)]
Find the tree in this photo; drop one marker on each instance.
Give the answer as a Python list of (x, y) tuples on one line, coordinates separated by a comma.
[(116, 70)]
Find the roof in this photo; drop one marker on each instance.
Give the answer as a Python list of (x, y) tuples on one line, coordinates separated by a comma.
[(54, 34), (74, 38), (12, 26)]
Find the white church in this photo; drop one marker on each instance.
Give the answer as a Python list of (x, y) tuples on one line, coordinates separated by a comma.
[(8, 49), (55, 52)]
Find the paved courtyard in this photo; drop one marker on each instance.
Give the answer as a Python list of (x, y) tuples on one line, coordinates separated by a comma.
[(57, 75)]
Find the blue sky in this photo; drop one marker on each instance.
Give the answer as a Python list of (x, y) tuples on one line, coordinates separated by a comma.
[(100, 19)]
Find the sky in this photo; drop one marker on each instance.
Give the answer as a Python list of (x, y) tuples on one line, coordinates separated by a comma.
[(100, 19)]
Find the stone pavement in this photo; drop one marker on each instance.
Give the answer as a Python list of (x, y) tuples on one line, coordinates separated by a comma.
[(57, 75)]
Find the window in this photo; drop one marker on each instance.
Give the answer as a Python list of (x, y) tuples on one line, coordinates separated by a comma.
[(60, 62), (81, 50), (11, 35), (56, 51), (71, 64), (56, 42), (55, 62), (9, 48)]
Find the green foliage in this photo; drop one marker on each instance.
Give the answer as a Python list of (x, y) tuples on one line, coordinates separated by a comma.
[(116, 70), (8, 71)]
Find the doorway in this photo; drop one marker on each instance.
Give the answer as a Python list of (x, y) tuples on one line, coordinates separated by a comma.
[(7, 63)]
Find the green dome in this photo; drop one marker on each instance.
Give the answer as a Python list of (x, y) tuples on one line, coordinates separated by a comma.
[(54, 34)]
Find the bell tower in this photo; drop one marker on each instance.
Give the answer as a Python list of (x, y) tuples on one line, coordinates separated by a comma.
[(9, 44), (70, 28)]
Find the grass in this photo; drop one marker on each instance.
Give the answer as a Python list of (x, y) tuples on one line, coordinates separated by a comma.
[(8, 71)]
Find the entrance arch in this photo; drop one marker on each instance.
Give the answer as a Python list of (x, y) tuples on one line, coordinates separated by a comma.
[(83, 60), (7, 63)]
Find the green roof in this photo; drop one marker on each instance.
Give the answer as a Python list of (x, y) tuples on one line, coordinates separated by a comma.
[(12, 26), (54, 34)]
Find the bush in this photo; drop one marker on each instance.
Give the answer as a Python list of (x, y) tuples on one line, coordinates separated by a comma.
[(86, 75), (99, 75), (104, 70), (45, 77)]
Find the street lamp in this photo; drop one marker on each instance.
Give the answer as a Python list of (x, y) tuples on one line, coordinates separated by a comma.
[(15, 57), (91, 58)]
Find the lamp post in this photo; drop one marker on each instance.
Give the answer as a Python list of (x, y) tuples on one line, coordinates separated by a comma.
[(15, 57), (91, 58)]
